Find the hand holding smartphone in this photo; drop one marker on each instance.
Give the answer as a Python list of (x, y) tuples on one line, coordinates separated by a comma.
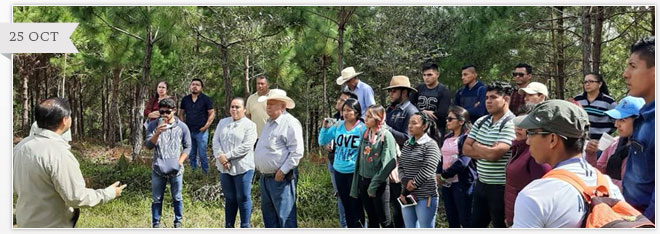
[(409, 201)]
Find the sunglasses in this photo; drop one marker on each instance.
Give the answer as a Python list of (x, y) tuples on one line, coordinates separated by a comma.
[(449, 119), (518, 74), (165, 112)]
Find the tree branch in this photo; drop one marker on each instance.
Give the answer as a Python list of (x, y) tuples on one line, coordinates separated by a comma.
[(565, 30), (117, 29), (323, 16), (253, 39), (623, 32), (209, 40), (163, 35)]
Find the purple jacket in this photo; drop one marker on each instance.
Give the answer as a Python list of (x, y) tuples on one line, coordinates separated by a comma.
[(520, 171)]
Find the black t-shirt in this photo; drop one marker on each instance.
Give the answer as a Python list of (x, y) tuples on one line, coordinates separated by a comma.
[(196, 112), (436, 99)]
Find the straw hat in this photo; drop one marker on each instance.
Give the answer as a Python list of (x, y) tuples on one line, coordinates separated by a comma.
[(400, 82), (346, 75), (280, 95)]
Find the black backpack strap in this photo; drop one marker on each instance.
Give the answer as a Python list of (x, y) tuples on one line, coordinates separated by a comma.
[(506, 119), (483, 121)]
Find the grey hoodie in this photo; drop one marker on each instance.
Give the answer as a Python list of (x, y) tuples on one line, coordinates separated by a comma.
[(168, 147)]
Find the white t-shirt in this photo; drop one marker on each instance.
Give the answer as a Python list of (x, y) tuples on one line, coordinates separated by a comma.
[(553, 203)]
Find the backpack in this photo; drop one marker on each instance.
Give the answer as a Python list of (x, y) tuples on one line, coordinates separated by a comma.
[(603, 212), (506, 119)]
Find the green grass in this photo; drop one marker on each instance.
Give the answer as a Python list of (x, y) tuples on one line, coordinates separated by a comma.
[(316, 205)]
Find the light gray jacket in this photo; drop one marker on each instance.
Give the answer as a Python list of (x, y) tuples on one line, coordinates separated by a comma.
[(235, 139)]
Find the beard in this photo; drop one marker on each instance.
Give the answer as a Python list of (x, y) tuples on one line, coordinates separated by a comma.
[(527, 107)]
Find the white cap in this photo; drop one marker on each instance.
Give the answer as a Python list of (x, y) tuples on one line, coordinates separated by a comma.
[(534, 88)]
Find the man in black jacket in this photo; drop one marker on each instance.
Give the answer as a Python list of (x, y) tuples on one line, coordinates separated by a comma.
[(397, 115)]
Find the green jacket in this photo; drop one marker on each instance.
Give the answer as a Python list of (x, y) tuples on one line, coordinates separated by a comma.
[(375, 161)]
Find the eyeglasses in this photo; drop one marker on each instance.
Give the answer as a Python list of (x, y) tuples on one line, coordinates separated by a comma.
[(590, 81), (449, 119), (165, 112), (518, 74), (531, 133)]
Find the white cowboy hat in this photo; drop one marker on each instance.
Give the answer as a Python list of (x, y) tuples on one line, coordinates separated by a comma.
[(346, 75), (280, 95), (400, 82)]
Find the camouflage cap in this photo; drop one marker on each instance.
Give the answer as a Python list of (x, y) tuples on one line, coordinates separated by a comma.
[(560, 117)]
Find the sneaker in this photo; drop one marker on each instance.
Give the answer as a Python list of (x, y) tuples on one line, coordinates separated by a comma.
[(156, 225), (178, 225)]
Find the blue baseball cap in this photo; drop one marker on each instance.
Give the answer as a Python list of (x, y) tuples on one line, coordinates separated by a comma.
[(627, 107)]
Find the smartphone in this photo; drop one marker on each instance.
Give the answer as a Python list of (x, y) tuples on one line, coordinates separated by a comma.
[(330, 121), (410, 201)]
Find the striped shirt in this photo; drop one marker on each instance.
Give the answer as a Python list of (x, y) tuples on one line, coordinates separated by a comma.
[(493, 172), (599, 121), (418, 162)]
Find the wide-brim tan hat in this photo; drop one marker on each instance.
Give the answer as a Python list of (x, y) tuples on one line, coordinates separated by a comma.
[(280, 95), (400, 82), (346, 75)]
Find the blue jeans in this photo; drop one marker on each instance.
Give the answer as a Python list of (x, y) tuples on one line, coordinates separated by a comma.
[(199, 142), (420, 215), (158, 184), (278, 202), (340, 206), (237, 197), (458, 204)]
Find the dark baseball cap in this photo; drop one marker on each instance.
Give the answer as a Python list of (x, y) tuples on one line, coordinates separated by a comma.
[(558, 116)]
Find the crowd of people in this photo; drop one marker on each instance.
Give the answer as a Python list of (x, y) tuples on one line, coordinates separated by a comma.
[(494, 154)]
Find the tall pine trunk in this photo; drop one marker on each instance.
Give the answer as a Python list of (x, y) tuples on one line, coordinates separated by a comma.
[(561, 76), (140, 92), (246, 62), (586, 39), (226, 78), (599, 17), (25, 123)]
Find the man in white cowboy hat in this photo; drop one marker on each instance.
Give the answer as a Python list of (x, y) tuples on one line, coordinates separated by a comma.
[(277, 154), (364, 92), (397, 115)]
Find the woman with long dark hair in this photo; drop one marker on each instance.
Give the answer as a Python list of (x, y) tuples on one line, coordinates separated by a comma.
[(417, 165), (454, 171), (151, 109), (347, 135)]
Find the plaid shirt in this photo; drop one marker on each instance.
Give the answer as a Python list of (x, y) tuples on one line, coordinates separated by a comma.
[(517, 100)]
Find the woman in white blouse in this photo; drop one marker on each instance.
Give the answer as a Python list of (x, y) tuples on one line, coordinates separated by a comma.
[(233, 146)]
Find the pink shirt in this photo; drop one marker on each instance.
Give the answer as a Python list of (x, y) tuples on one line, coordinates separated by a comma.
[(601, 164), (449, 153)]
